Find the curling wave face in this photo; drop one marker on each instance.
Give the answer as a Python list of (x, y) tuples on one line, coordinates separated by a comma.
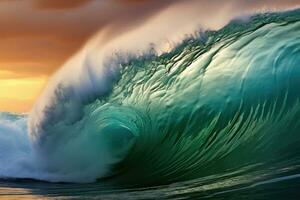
[(217, 102)]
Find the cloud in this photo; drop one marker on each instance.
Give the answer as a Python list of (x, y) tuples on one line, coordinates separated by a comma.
[(59, 4)]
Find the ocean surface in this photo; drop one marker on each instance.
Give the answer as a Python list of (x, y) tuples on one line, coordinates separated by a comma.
[(216, 117)]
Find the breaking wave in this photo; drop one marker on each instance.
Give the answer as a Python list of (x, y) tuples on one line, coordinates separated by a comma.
[(216, 101)]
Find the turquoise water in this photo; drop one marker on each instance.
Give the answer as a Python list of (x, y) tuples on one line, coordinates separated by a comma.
[(216, 118)]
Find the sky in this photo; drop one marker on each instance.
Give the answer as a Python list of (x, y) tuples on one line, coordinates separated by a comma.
[(38, 36)]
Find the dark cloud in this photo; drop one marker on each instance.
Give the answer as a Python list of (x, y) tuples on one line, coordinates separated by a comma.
[(60, 4)]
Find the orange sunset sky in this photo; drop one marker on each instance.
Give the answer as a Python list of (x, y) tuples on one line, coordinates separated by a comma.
[(38, 36)]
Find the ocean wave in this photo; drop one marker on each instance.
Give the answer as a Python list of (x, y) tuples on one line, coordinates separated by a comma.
[(215, 101)]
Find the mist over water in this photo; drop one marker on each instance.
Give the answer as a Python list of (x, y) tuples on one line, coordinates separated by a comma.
[(216, 113)]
